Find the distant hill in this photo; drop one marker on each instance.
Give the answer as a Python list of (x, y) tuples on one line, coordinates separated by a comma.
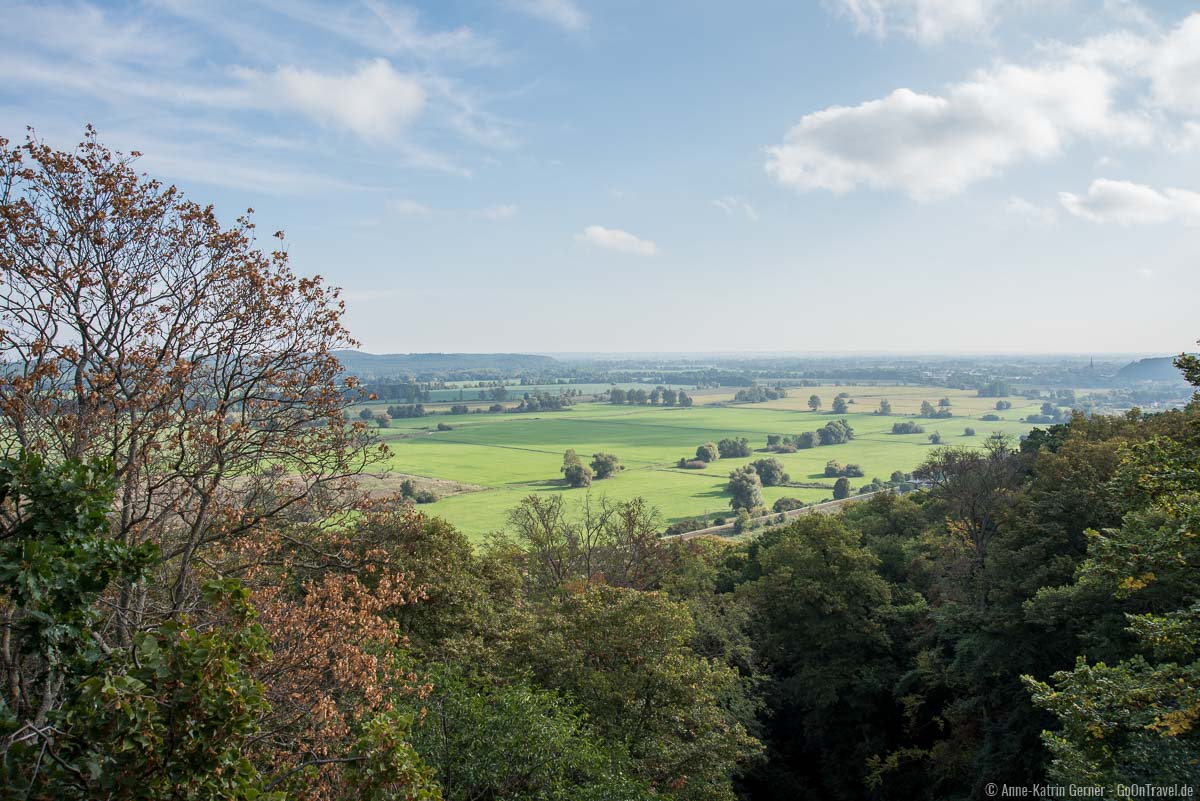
[(1159, 368), (384, 365)]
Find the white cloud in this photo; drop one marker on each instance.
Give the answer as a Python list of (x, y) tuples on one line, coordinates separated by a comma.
[(407, 207), (927, 21), (1031, 213), (375, 101), (502, 212), (936, 145), (1127, 203), (563, 13), (616, 239), (734, 205)]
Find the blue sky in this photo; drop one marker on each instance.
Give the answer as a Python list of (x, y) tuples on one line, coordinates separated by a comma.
[(611, 175)]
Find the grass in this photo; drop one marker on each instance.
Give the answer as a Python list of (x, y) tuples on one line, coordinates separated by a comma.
[(513, 455)]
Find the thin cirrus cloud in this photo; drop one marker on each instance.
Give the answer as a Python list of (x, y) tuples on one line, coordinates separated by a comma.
[(1128, 203), (928, 22), (564, 13), (733, 206), (616, 239)]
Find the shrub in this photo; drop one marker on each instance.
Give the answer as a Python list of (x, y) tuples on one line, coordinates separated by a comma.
[(707, 452), (841, 489), (742, 521), (444, 427), (787, 504), (907, 427), (990, 418), (771, 472), (732, 448), (968, 432)]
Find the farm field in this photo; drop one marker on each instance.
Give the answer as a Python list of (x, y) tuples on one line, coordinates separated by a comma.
[(513, 455)]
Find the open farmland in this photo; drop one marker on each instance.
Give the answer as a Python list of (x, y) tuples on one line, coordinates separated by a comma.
[(512, 455)]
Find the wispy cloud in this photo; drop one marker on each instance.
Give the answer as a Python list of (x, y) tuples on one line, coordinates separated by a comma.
[(734, 206), (1039, 216), (616, 239), (502, 212), (1127, 203), (564, 13)]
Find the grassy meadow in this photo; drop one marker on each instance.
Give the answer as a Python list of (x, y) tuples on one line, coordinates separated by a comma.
[(508, 456)]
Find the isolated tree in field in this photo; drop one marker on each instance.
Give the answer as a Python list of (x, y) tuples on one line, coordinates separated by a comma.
[(839, 405), (605, 464), (885, 407), (833, 468), (935, 438), (771, 472), (136, 329), (841, 489), (968, 432), (944, 403), (707, 452), (734, 447), (814, 402), (927, 409), (746, 488), (576, 473), (1001, 405)]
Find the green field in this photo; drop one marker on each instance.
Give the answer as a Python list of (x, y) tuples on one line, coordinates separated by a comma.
[(512, 455)]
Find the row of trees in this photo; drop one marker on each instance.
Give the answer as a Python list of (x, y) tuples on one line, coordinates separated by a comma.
[(665, 396), (759, 394)]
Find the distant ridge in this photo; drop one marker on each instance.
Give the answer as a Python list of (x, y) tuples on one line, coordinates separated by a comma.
[(381, 365), (1159, 368)]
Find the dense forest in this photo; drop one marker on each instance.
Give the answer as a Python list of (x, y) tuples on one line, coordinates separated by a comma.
[(199, 602)]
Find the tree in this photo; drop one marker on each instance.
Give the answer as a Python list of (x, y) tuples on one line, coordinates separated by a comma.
[(833, 468), (885, 407), (771, 472), (927, 409), (1001, 405), (944, 403), (814, 402), (841, 489), (746, 488), (968, 432), (707, 452), (685, 400), (835, 432), (576, 473), (839, 405), (935, 438), (734, 447), (616, 395), (199, 360), (605, 465)]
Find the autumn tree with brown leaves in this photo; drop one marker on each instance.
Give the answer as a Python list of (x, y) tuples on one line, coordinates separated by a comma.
[(139, 333)]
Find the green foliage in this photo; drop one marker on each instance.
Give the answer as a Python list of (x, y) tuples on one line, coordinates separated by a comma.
[(576, 473), (625, 657), (605, 465), (771, 472), (707, 452), (493, 739), (841, 489), (745, 487), (733, 448)]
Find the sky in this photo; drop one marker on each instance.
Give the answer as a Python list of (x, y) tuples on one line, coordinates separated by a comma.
[(670, 175)]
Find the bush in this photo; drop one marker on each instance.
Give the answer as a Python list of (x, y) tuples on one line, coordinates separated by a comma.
[(445, 427), (496, 407), (732, 448), (684, 526), (968, 432), (425, 496), (707, 452), (784, 448), (841, 489), (787, 504), (459, 408), (935, 438), (741, 522), (833, 468), (692, 464), (907, 427), (746, 488), (853, 471), (605, 464), (990, 418), (771, 472)]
